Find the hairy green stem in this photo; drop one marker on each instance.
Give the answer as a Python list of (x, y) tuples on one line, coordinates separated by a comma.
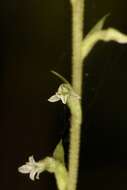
[(77, 38), (75, 106)]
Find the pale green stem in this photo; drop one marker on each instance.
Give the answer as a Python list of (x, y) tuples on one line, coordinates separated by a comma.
[(77, 38), (75, 105)]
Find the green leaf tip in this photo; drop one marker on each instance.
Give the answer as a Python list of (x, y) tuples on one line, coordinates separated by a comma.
[(58, 153), (99, 25)]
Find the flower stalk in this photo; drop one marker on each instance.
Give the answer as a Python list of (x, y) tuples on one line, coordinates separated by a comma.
[(75, 105), (72, 96), (81, 47)]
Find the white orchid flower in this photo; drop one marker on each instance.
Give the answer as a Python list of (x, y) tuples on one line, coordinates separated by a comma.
[(54, 164), (32, 168), (63, 93)]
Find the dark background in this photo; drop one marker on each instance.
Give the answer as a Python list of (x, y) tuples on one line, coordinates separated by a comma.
[(36, 38)]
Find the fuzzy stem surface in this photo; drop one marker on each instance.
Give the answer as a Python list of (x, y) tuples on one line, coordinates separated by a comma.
[(75, 105)]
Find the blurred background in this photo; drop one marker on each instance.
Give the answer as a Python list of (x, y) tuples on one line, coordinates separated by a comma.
[(35, 38)]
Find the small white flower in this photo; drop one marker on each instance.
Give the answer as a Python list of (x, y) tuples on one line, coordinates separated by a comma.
[(63, 93), (33, 168)]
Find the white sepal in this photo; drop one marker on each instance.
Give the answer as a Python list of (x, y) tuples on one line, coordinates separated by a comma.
[(54, 98)]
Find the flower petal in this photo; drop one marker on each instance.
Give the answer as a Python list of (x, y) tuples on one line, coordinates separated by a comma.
[(25, 169), (37, 176), (54, 98), (32, 174), (64, 99), (31, 159)]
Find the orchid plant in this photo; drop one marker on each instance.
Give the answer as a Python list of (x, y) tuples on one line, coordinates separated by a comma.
[(71, 95)]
